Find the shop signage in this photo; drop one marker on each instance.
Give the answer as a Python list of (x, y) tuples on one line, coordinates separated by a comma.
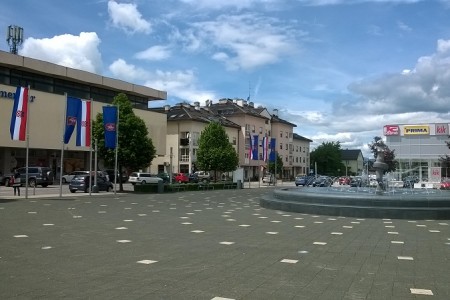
[(441, 129), (391, 130), (416, 130), (10, 95)]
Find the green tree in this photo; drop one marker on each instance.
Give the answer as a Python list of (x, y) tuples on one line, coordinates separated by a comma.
[(389, 155), (136, 150), (445, 162), (328, 159), (271, 165), (215, 153)]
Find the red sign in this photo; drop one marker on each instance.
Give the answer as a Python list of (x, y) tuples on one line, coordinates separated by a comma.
[(391, 130), (441, 129), (110, 127)]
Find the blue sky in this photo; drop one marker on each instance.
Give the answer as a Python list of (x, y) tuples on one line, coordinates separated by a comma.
[(339, 69)]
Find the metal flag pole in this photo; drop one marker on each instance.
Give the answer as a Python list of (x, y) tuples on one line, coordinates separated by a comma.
[(117, 150), (61, 164), (90, 152), (28, 144)]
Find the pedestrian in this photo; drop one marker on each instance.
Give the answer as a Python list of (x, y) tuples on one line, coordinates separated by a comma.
[(15, 180)]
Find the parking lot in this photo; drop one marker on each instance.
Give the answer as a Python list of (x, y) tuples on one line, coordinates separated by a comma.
[(212, 245)]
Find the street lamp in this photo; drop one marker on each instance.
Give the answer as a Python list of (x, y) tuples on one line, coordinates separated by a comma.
[(14, 37)]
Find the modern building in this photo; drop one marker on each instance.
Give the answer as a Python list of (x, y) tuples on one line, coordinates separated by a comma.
[(48, 84), (418, 148)]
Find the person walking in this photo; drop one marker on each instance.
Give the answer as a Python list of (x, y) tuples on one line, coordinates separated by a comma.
[(15, 181)]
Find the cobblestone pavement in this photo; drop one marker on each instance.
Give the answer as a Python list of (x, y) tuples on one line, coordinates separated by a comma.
[(212, 245)]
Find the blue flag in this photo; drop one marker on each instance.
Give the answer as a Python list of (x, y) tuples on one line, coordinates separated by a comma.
[(73, 105), (272, 150), (110, 125), (255, 148)]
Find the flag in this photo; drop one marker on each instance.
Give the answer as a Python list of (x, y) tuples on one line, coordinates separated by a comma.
[(265, 147), (19, 115), (72, 107), (272, 150), (84, 124), (255, 148), (110, 124)]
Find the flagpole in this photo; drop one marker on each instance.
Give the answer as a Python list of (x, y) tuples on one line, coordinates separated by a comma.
[(28, 144), (61, 164), (117, 148), (90, 152)]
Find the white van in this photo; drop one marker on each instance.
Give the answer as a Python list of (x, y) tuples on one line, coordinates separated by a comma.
[(143, 178)]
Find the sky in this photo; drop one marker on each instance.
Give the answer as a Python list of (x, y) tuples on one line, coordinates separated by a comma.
[(338, 69)]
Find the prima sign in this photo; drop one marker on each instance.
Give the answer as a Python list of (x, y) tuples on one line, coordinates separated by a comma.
[(416, 130), (10, 95)]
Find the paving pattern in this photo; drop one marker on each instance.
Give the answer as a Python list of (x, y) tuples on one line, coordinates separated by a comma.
[(212, 245)]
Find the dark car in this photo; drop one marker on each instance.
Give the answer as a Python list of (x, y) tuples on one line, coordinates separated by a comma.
[(123, 178), (323, 181), (193, 177), (356, 182), (81, 183), (409, 181), (36, 176), (304, 180), (165, 177)]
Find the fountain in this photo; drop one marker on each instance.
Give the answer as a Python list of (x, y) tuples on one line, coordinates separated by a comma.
[(363, 202)]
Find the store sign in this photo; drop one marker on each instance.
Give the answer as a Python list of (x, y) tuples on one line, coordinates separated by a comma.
[(416, 130), (435, 174), (10, 95), (441, 129), (391, 130)]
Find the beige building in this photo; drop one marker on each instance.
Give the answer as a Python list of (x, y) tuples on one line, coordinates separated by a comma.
[(185, 124), (48, 84), (353, 161), (283, 131), (300, 155)]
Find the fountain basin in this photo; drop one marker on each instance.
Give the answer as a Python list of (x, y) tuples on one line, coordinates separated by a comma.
[(363, 203)]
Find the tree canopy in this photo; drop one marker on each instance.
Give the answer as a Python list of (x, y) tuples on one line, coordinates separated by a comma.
[(271, 165), (389, 155), (136, 150), (215, 153), (328, 159)]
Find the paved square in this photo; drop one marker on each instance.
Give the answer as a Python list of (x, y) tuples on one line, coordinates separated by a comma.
[(67, 249)]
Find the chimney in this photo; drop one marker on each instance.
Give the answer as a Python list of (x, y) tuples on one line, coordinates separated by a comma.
[(275, 112), (166, 107), (251, 104), (197, 105)]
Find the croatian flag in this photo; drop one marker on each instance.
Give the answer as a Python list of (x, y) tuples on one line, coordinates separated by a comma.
[(73, 105), (84, 124), (19, 115), (265, 147), (255, 148)]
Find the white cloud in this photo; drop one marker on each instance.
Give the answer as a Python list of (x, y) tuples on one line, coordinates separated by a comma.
[(179, 84), (221, 4), (78, 52), (244, 41), (403, 26), (347, 2), (154, 53), (127, 17)]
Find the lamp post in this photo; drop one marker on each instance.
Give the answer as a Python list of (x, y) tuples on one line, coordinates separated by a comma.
[(14, 37)]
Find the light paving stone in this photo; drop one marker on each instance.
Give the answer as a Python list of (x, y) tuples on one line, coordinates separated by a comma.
[(354, 222), (332, 219), (123, 241), (142, 215), (197, 231), (244, 225), (318, 222), (128, 220), (405, 257), (390, 226), (21, 236), (299, 218), (299, 226), (226, 243), (421, 292), (319, 243), (289, 261), (121, 228), (392, 232), (186, 223), (102, 212), (275, 221), (337, 233), (77, 217), (32, 212), (421, 225), (221, 298), (48, 224), (444, 224), (433, 231), (262, 217), (347, 226), (397, 242), (303, 252), (46, 247), (146, 261), (272, 232), (231, 220)]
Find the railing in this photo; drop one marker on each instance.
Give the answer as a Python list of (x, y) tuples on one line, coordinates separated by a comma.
[(184, 158)]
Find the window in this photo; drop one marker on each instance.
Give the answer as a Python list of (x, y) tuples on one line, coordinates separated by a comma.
[(281, 146), (253, 128), (233, 142), (287, 134), (260, 130)]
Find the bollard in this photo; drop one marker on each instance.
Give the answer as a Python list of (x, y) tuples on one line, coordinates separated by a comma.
[(160, 186)]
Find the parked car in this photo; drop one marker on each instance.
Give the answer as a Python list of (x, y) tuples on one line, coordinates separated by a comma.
[(193, 178), (322, 181), (357, 182), (203, 176), (165, 177), (68, 177), (268, 178), (143, 178), (123, 178), (81, 183), (36, 176), (304, 180), (344, 180), (181, 178), (4, 179), (409, 181)]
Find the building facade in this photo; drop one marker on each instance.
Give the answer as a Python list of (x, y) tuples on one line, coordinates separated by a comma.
[(49, 83), (300, 155), (418, 148), (353, 162)]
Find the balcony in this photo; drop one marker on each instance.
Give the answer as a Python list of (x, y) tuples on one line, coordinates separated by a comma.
[(184, 158)]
